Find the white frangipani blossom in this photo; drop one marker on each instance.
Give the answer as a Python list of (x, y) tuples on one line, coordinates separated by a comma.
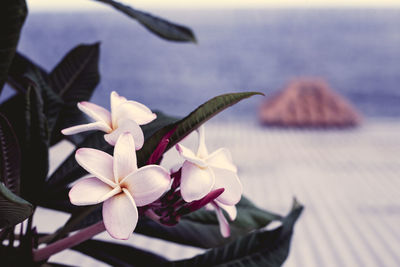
[(125, 116), (119, 183), (203, 172)]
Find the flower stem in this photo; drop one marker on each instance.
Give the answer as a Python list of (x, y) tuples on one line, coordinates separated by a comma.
[(152, 215), (68, 242)]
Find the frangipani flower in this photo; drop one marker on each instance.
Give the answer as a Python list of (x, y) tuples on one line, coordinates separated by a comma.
[(223, 223), (125, 116), (119, 183), (203, 172)]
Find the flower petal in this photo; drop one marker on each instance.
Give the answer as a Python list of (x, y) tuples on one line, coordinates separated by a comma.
[(147, 184), (89, 191), (230, 209), (223, 223), (135, 111), (98, 163), (115, 100), (233, 187), (188, 155), (98, 125), (201, 149), (120, 215), (96, 112), (222, 159), (195, 182), (130, 126), (124, 157)]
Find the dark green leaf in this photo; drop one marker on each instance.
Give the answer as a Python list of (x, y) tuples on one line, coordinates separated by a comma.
[(14, 110), (119, 255), (201, 228), (19, 67), (12, 17), (35, 153), (190, 123), (23, 73), (91, 215), (57, 200), (259, 248), (161, 27), (26, 115), (13, 209), (77, 74), (74, 79), (78, 218), (69, 170), (188, 230), (161, 121), (10, 157), (52, 103)]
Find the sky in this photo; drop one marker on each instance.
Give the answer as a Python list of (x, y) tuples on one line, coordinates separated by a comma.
[(41, 5)]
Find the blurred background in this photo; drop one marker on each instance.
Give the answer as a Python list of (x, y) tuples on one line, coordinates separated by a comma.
[(240, 47), (348, 179)]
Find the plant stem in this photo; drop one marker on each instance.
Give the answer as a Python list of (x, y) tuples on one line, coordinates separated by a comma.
[(151, 214), (68, 242)]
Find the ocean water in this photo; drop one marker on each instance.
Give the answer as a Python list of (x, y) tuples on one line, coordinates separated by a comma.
[(357, 51)]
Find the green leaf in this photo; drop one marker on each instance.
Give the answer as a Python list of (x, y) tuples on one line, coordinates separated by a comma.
[(77, 74), (23, 73), (19, 67), (259, 248), (12, 18), (85, 217), (161, 27), (76, 218), (74, 79), (52, 103), (160, 122), (69, 170), (249, 218), (119, 255), (10, 157), (13, 209), (14, 110), (26, 115), (35, 150), (191, 122)]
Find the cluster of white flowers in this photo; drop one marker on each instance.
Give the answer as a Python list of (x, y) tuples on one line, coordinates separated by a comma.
[(122, 186)]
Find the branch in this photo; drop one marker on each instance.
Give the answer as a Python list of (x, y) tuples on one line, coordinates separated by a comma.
[(68, 242)]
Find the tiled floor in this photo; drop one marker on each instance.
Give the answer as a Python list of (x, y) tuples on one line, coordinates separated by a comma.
[(348, 180)]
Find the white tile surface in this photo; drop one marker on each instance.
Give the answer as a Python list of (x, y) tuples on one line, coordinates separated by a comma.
[(348, 180)]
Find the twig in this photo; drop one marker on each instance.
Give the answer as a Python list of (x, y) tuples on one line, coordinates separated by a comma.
[(68, 242)]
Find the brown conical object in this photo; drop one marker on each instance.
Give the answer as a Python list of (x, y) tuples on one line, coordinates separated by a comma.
[(308, 103)]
